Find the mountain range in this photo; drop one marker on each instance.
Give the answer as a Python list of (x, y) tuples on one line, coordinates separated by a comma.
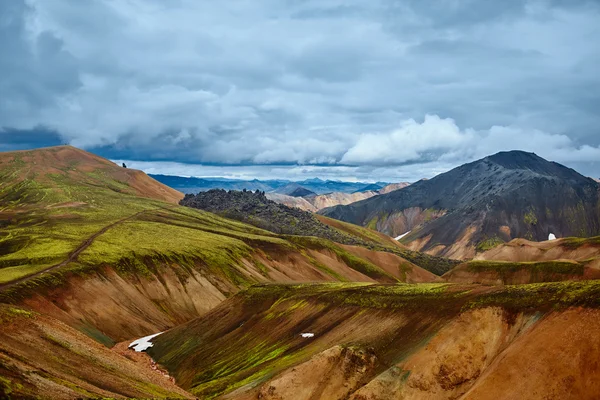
[(481, 204), (113, 285), (315, 185)]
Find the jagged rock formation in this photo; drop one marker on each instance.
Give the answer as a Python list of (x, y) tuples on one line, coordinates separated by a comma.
[(254, 208)]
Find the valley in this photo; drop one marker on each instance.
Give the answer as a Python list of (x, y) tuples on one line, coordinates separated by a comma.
[(253, 299)]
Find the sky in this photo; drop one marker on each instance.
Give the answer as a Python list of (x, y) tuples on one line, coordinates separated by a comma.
[(393, 90)]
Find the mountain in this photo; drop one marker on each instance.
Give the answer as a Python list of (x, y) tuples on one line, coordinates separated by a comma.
[(316, 202), (195, 185), (373, 187), (493, 200), (316, 185), (393, 186), (294, 190), (332, 199), (290, 201)]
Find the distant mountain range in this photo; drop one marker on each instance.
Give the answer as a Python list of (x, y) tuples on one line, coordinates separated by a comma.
[(314, 185), (484, 203)]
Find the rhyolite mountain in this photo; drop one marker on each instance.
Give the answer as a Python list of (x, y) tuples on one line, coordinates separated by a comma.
[(475, 206)]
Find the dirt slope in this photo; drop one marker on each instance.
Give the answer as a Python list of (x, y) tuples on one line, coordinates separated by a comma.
[(520, 250), (40, 356), (515, 273), (382, 342)]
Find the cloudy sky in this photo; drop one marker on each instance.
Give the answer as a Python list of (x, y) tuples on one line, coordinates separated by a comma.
[(347, 89)]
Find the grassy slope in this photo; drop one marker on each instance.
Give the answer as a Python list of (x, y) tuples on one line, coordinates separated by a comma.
[(507, 272), (253, 336), (53, 200)]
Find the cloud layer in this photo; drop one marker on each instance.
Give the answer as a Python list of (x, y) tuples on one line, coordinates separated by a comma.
[(411, 86)]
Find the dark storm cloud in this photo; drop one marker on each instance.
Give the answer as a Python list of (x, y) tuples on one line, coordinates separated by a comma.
[(401, 87), (14, 139)]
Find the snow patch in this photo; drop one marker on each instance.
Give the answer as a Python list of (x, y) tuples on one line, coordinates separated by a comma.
[(551, 236), (144, 343), (307, 335), (404, 234)]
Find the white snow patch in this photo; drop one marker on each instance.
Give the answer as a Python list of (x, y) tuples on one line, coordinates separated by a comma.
[(551, 236), (144, 343), (404, 234), (307, 334)]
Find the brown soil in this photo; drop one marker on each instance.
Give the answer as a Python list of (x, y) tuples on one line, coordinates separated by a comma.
[(40, 356), (519, 250), (394, 265), (332, 374), (462, 249), (383, 238), (463, 274), (556, 359)]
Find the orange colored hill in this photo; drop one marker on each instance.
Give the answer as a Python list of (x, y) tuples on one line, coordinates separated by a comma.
[(53, 166)]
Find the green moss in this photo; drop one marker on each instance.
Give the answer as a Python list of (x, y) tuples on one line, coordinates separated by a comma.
[(372, 224), (539, 271), (10, 314), (530, 218), (573, 243), (489, 243), (358, 264), (541, 296)]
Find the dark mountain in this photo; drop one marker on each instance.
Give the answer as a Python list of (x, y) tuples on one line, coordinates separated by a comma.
[(320, 186), (294, 190), (316, 185), (483, 203), (371, 187)]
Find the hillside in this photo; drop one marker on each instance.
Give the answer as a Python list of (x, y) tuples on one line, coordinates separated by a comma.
[(93, 254), (493, 200), (521, 250), (256, 209), (439, 341)]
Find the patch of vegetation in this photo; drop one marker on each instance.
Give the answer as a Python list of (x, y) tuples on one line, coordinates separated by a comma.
[(9, 314), (530, 218), (541, 296), (358, 264), (372, 224), (489, 243), (573, 243), (558, 267)]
